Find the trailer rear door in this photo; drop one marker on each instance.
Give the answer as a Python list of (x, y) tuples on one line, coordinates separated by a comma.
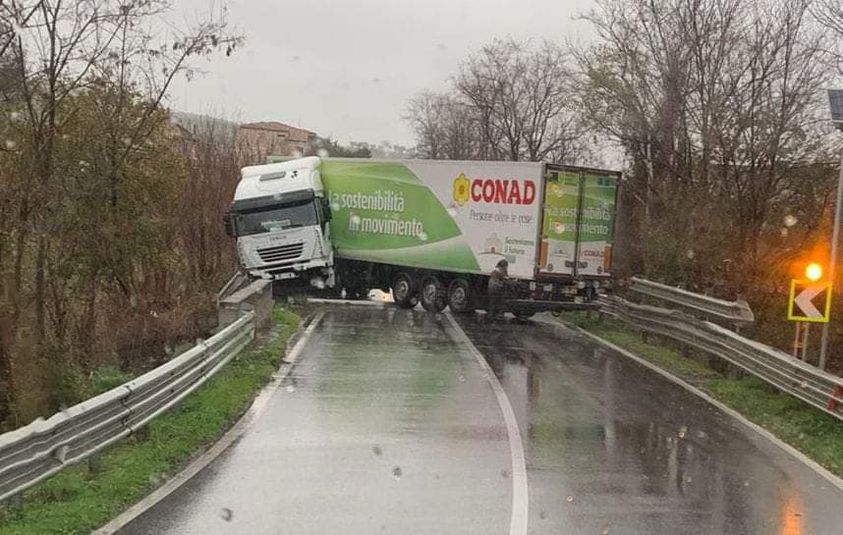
[(577, 222)]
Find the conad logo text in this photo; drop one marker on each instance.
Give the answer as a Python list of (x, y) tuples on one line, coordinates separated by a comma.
[(493, 190)]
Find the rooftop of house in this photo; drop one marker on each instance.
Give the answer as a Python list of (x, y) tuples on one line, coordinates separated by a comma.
[(295, 133)]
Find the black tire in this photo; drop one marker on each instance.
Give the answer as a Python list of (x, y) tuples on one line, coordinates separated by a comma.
[(523, 316), (460, 298), (404, 291), (433, 295)]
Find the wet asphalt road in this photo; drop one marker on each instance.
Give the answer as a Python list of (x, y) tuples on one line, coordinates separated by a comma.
[(388, 425)]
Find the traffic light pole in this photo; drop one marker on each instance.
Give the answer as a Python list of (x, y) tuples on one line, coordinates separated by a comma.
[(835, 238)]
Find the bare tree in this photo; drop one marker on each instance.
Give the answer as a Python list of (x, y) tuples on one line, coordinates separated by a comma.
[(424, 115), (829, 13), (510, 100), (717, 104), (445, 127), (61, 64)]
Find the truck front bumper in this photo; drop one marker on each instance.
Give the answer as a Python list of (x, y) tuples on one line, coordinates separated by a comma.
[(289, 270)]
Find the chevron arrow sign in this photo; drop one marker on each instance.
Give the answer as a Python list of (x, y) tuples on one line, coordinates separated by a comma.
[(809, 301)]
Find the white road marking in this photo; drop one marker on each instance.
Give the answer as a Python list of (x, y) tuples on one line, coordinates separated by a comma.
[(251, 415), (520, 495), (348, 302), (293, 354)]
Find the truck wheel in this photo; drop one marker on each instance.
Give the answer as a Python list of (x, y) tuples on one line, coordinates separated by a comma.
[(459, 297), (433, 297), (404, 291)]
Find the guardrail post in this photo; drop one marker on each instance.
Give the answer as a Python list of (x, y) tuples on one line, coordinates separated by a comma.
[(95, 464), (141, 433)]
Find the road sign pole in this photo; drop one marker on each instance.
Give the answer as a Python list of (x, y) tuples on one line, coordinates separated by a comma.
[(835, 238), (805, 330), (796, 339)]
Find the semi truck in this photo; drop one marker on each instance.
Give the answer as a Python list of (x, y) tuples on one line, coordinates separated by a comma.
[(429, 231)]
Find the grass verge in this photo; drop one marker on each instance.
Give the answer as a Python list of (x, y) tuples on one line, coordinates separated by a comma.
[(811, 431), (78, 501)]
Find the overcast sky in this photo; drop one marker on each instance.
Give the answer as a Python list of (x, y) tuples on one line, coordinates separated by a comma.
[(346, 68)]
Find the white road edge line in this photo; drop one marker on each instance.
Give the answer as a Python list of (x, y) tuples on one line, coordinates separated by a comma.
[(347, 302), (798, 455), (250, 416), (520, 492)]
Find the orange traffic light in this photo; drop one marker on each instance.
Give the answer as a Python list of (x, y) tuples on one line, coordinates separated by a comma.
[(814, 272)]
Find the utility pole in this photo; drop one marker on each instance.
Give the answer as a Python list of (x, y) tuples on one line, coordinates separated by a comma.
[(835, 238), (835, 98)]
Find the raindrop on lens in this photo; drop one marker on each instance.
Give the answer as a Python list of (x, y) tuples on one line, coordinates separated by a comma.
[(290, 389), (423, 236), (226, 514), (790, 220), (461, 378), (569, 499), (322, 153), (14, 116), (452, 211), (396, 473), (377, 450), (10, 144)]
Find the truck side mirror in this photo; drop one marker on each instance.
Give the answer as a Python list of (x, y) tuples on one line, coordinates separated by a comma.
[(326, 209), (228, 223)]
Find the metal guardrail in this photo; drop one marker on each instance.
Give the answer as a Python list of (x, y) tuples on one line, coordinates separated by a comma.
[(812, 385), (733, 311), (44, 447), (234, 283)]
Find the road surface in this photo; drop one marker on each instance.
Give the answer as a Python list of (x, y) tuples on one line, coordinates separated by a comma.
[(390, 424)]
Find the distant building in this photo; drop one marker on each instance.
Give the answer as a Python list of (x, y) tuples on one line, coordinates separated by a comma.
[(277, 138)]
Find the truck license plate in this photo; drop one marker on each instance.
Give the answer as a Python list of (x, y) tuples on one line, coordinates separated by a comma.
[(287, 275)]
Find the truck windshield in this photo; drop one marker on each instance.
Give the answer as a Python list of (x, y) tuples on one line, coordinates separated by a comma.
[(301, 214)]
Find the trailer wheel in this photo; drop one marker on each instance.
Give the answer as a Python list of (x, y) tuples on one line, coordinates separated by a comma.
[(433, 296), (404, 291), (459, 297)]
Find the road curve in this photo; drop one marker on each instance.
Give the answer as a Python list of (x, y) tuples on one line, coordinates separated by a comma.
[(389, 424), (614, 448)]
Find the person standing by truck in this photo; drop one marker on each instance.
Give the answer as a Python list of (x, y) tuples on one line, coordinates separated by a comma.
[(497, 288)]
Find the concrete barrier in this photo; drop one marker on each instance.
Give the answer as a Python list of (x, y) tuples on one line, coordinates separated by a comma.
[(256, 296)]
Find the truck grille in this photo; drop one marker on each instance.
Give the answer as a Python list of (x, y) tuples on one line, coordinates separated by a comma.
[(280, 253)]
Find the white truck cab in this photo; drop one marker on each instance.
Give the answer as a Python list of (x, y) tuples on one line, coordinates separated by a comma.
[(280, 218)]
